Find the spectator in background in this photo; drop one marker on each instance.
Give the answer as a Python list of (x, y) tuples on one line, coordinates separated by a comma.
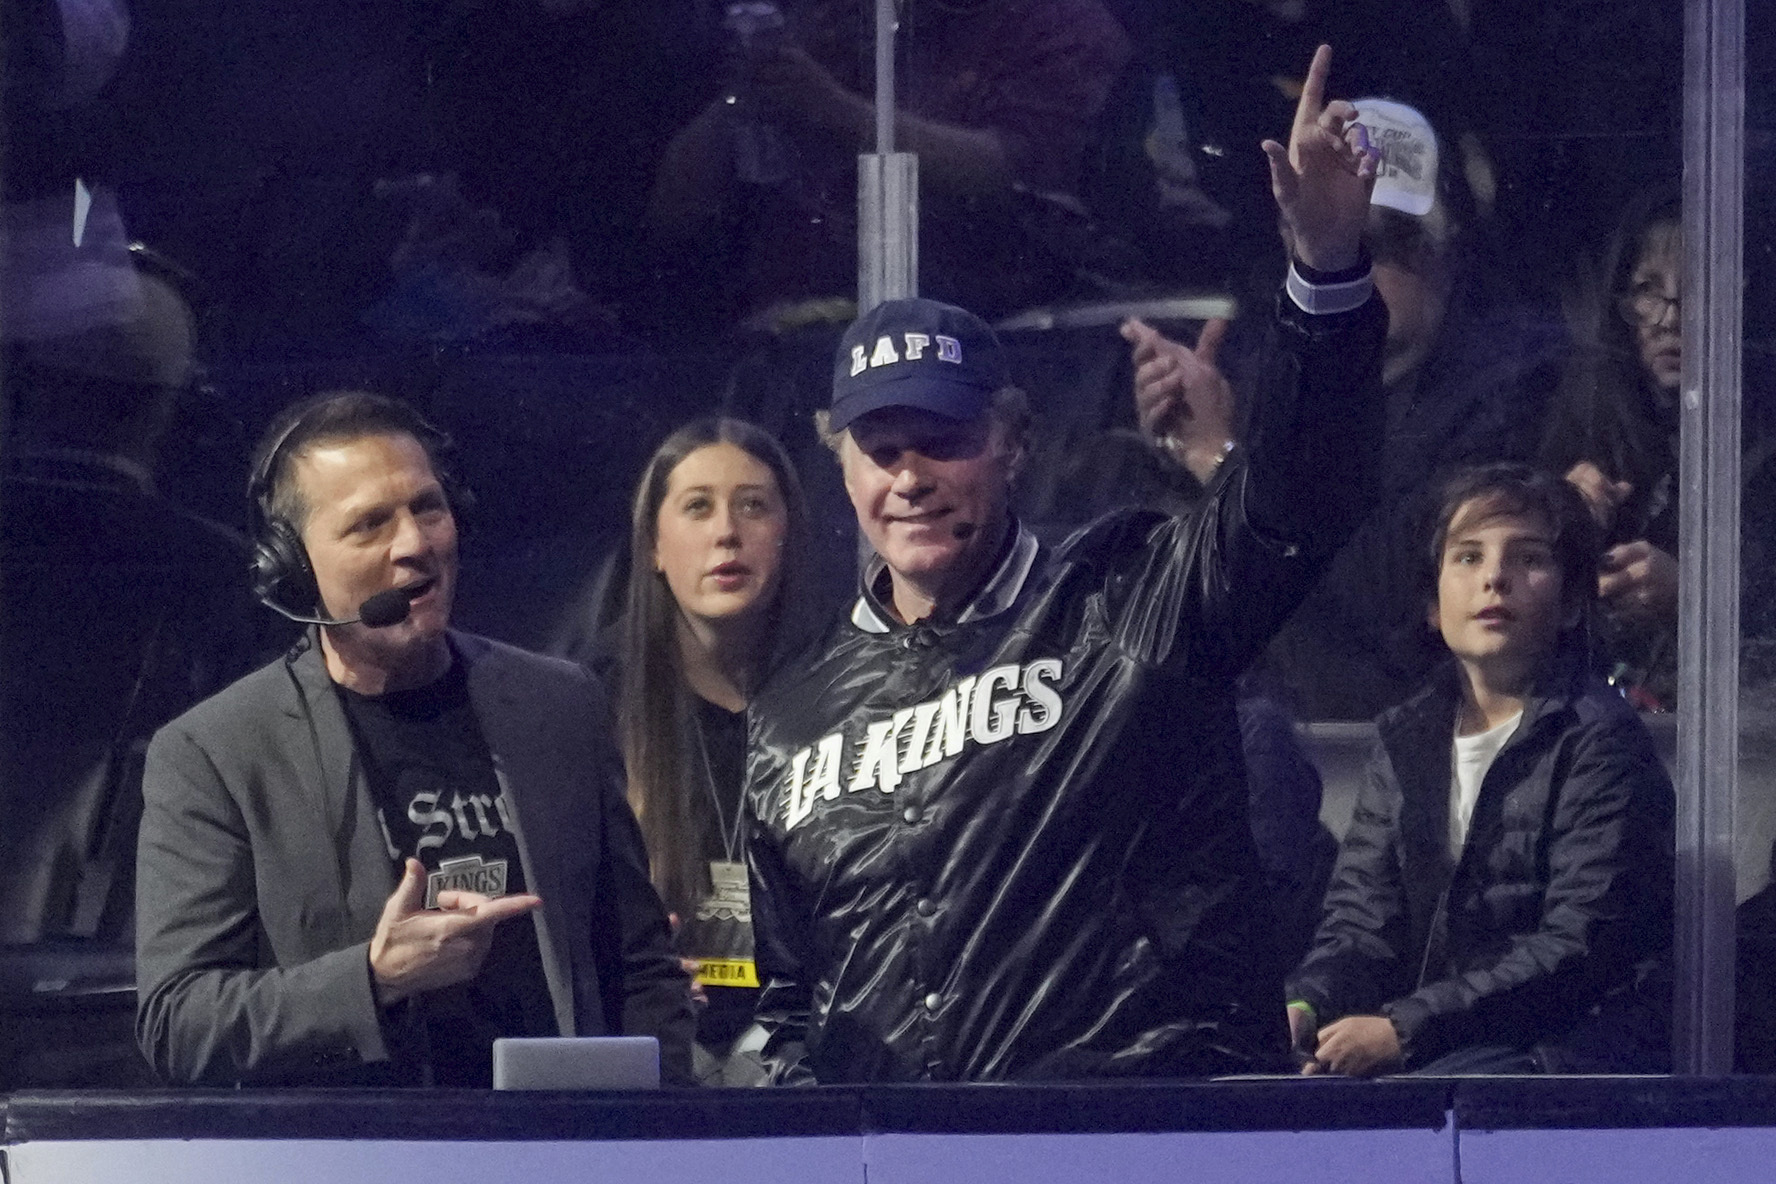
[(1235, 66), (718, 532), (104, 349), (1468, 372), (552, 115), (1614, 435), (998, 98), (119, 607), (1502, 901), (458, 276)]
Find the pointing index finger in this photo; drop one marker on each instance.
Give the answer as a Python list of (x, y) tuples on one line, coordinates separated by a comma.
[(478, 909), (1135, 331), (1208, 342), (504, 908), (1313, 91)]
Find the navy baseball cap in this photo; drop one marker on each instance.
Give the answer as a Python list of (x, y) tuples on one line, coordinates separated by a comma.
[(916, 353)]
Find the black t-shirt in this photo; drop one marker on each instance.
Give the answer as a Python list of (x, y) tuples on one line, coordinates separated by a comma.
[(432, 777), (719, 927)]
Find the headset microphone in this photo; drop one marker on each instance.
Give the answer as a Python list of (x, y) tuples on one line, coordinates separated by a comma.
[(388, 607)]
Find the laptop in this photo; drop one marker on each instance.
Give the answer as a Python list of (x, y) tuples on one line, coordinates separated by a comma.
[(576, 1062)]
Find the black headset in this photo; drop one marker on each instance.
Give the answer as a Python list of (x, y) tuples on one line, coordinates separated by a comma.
[(282, 578)]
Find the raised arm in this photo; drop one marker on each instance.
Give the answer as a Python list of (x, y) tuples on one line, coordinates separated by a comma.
[(1304, 475), (1322, 180)]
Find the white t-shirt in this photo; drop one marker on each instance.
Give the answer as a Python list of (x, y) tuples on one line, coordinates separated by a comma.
[(1473, 756)]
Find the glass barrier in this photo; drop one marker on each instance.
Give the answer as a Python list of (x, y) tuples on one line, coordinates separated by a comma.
[(1754, 845), (561, 229)]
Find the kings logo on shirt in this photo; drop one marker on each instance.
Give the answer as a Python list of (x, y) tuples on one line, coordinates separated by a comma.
[(980, 710), (471, 873)]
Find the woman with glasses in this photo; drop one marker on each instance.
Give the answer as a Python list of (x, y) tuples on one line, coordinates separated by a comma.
[(1614, 435)]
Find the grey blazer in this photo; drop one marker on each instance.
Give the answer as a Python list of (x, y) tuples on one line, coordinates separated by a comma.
[(262, 871)]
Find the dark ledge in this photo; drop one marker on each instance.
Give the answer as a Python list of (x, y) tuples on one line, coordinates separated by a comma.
[(1478, 1104), (444, 1115), (730, 1114), (1121, 1107), (1580, 1103)]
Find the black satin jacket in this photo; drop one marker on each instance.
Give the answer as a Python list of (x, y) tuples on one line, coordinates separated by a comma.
[(1014, 844)]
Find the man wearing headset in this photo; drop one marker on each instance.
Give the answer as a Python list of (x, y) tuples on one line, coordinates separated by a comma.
[(364, 862)]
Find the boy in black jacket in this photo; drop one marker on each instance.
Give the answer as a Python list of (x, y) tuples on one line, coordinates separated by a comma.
[(1502, 900)]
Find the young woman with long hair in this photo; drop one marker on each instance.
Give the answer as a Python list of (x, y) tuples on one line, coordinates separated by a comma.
[(718, 527)]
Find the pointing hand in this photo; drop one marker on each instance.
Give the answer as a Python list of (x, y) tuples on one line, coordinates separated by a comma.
[(415, 949)]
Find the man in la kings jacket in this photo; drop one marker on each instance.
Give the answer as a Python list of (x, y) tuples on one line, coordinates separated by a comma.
[(997, 819)]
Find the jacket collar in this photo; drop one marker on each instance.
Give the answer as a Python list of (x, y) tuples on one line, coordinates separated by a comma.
[(1417, 737), (872, 612), (511, 711), (319, 708), (1557, 687), (346, 831)]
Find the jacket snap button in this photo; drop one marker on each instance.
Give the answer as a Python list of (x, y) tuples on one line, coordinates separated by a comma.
[(925, 907), (910, 814), (932, 1002)]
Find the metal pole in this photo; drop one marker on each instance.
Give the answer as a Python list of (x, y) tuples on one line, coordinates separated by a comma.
[(1708, 525), (887, 192), (885, 23)]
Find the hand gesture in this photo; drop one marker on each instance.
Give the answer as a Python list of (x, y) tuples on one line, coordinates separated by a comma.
[(1182, 401), (1602, 495), (1639, 580), (415, 949), (1356, 1046), (1322, 179)]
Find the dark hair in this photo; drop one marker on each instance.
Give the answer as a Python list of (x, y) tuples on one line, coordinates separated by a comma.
[(655, 704), (1606, 411), (335, 417), (1511, 488), (1411, 240)]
